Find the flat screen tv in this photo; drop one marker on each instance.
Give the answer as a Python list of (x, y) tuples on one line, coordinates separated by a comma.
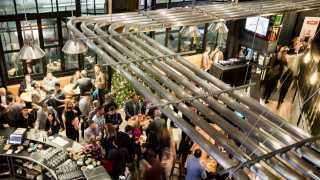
[(257, 24)]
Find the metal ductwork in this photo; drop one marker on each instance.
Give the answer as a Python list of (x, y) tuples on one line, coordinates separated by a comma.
[(270, 147)]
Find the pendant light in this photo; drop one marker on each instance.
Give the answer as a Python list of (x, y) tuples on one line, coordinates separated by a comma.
[(190, 31), (74, 46), (30, 50)]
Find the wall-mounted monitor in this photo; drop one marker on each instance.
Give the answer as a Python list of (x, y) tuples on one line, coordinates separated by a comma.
[(257, 24)]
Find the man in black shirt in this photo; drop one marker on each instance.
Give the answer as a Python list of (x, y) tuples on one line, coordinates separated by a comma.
[(132, 107), (25, 119)]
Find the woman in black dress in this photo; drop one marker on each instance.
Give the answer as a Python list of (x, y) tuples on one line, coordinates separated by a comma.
[(71, 121), (52, 125)]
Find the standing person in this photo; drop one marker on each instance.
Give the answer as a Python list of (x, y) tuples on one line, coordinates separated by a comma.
[(99, 118), (272, 78), (42, 116), (71, 121), (75, 77), (100, 82), (118, 156), (132, 107), (113, 116), (195, 169), (156, 171), (52, 125), (126, 140)]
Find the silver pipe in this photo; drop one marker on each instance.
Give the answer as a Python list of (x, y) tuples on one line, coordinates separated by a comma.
[(213, 151), (221, 122), (310, 154), (307, 169)]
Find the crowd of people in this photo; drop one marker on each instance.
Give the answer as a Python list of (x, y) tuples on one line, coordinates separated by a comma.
[(128, 149)]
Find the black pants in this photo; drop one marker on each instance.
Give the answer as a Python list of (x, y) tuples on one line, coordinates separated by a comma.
[(270, 86), (288, 78)]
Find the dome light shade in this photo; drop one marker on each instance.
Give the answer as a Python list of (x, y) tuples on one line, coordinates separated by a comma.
[(31, 52), (74, 47), (190, 31), (219, 27)]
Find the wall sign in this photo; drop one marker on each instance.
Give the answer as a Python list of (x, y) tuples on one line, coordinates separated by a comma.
[(309, 27)]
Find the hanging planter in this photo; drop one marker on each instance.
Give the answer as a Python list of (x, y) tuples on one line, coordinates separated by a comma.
[(122, 88)]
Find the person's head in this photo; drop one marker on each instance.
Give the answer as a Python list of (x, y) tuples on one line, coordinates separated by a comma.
[(95, 104), (92, 124), (157, 113), (25, 111), (69, 105), (197, 153), (97, 68), (57, 86), (51, 116), (10, 99), (49, 75), (128, 129), (99, 110), (135, 98), (84, 73)]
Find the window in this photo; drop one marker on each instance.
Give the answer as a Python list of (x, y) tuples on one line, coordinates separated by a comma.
[(53, 59), (26, 6), (160, 36), (9, 37), (7, 7), (71, 61), (66, 5), (50, 32), (47, 6), (13, 64), (89, 60), (30, 31), (173, 38)]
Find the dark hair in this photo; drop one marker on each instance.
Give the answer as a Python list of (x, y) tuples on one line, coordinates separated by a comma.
[(57, 84), (197, 153), (128, 128), (9, 98)]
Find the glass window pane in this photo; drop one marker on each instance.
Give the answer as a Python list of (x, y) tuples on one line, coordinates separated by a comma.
[(50, 32), (160, 36), (65, 31), (30, 31), (66, 5), (47, 6), (71, 61), (173, 38), (13, 64), (9, 37), (53, 59), (89, 60), (7, 7), (26, 6)]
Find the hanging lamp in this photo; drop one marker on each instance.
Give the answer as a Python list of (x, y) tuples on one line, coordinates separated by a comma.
[(74, 46), (30, 50)]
